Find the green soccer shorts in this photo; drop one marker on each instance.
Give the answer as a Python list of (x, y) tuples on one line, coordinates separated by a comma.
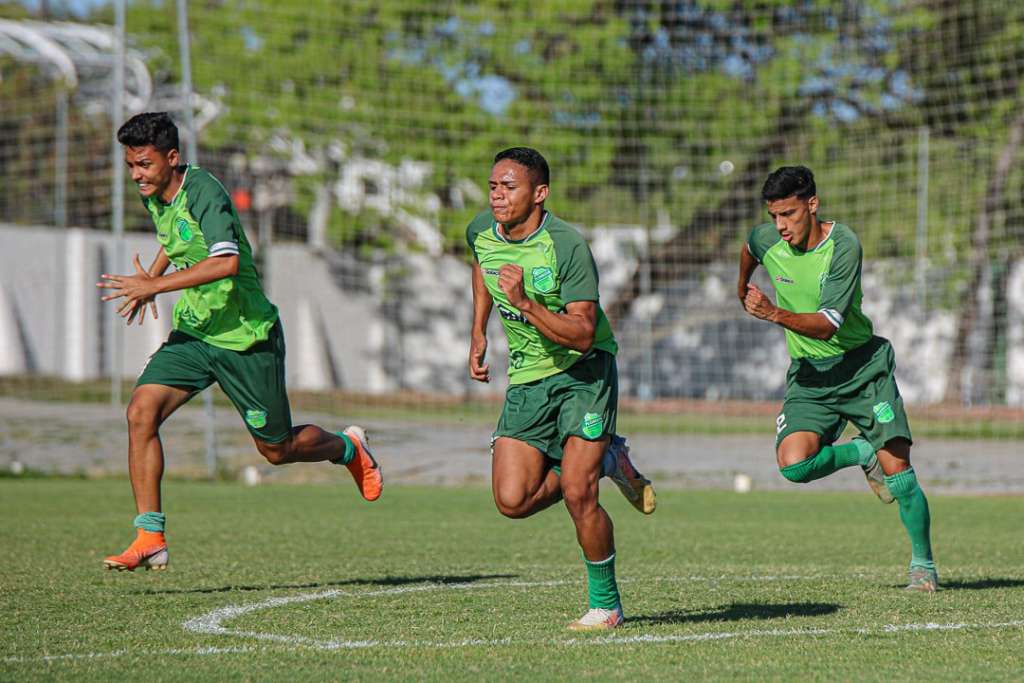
[(253, 379), (860, 389), (581, 401)]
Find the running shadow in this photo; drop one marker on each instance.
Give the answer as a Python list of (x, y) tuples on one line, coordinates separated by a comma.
[(383, 581), (739, 611), (980, 584)]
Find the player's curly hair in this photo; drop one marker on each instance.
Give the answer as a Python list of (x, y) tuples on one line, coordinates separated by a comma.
[(530, 158), (151, 128), (789, 181)]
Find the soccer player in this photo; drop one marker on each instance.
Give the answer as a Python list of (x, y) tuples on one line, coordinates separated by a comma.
[(840, 371), (225, 331), (556, 434)]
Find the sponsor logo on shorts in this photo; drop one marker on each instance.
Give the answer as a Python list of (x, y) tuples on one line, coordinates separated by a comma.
[(184, 229), (884, 412), (780, 423), (593, 425), (543, 279), (257, 419)]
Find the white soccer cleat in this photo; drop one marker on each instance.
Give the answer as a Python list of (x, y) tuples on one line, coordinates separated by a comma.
[(598, 619), (636, 488)]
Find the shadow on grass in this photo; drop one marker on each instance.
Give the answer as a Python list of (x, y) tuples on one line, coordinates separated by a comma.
[(980, 584), (739, 612), (382, 581)]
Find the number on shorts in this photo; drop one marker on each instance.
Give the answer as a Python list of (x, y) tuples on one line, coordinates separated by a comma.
[(780, 423)]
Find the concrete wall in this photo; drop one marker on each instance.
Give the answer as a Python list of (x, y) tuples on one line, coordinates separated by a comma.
[(401, 322)]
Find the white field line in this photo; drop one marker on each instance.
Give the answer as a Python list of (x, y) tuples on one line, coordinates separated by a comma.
[(212, 622)]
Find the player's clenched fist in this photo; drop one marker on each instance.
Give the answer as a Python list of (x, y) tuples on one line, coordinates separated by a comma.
[(757, 303), (510, 279)]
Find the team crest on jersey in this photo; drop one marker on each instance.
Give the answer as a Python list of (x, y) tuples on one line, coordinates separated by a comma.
[(184, 229), (884, 412), (543, 279), (256, 418), (593, 425)]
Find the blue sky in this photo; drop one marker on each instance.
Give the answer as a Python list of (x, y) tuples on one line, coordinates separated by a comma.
[(76, 6)]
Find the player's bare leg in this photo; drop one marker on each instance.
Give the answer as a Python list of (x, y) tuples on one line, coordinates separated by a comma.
[(581, 472), (802, 459), (309, 443), (522, 481), (894, 458), (150, 406)]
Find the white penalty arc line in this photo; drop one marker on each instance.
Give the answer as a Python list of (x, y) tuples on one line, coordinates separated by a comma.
[(212, 622), (605, 640)]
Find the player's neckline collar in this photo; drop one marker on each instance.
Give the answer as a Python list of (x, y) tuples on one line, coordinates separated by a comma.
[(178, 191), (824, 239), (506, 240)]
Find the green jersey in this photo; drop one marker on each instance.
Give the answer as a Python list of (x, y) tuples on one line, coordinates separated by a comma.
[(200, 222), (558, 269), (825, 280)]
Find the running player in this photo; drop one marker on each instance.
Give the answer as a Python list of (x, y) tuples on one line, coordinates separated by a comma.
[(556, 434), (225, 331), (841, 372)]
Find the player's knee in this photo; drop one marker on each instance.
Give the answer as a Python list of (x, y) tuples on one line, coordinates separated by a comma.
[(142, 416), (511, 504), (580, 498)]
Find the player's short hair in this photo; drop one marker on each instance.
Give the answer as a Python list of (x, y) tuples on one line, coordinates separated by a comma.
[(151, 128), (789, 181), (530, 158)]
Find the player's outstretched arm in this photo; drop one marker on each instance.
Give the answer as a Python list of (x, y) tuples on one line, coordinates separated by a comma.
[(482, 304), (813, 325), (141, 286), (748, 264), (573, 329)]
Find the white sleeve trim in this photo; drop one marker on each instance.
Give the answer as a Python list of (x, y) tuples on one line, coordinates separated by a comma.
[(834, 316), (747, 245), (223, 248)]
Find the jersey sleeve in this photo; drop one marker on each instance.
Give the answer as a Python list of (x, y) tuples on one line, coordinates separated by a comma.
[(577, 271), (210, 205), (761, 239), (843, 279), (479, 224)]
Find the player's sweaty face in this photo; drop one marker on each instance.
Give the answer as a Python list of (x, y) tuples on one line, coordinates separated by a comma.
[(151, 169), (512, 192), (793, 218)]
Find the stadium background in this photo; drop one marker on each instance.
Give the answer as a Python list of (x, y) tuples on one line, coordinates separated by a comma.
[(356, 138)]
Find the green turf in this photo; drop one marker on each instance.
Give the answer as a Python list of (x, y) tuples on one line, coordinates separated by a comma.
[(789, 586)]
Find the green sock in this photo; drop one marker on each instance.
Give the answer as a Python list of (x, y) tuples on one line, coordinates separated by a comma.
[(151, 521), (601, 586), (828, 460), (350, 450), (914, 515)]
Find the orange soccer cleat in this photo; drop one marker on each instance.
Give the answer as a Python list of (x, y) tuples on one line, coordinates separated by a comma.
[(149, 550), (363, 467)]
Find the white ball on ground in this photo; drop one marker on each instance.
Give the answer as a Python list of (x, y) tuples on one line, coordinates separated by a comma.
[(742, 483), (726, 167), (251, 476), (16, 468)]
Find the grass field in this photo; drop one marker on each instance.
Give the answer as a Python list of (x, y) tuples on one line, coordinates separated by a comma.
[(287, 582)]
